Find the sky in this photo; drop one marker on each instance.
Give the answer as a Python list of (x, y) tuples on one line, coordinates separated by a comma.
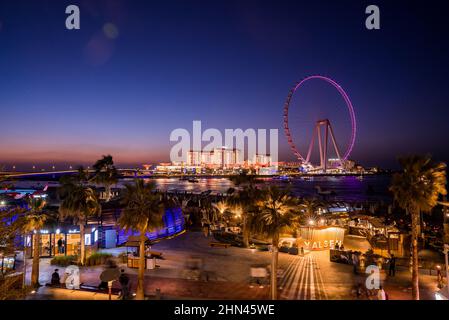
[(136, 70)]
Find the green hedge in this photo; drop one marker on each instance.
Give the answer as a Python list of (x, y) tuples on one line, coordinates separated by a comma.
[(98, 258), (64, 261)]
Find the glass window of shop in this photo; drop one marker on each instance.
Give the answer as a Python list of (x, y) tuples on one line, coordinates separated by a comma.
[(58, 244), (73, 244), (45, 245), (7, 263)]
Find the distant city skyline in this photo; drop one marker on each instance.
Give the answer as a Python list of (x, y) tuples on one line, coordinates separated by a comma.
[(67, 97)]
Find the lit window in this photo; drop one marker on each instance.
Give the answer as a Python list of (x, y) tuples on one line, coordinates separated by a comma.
[(96, 236)]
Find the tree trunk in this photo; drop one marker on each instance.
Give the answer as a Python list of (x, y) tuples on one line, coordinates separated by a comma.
[(36, 260), (446, 226), (82, 245), (140, 294), (245, 233), (446, 232), (274, 268), (415, 262)]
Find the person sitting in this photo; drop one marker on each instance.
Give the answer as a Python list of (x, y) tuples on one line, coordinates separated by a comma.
[(55, 279)]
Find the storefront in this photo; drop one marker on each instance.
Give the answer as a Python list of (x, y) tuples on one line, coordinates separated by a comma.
[(62, 241), (7, 263), (320, 238)]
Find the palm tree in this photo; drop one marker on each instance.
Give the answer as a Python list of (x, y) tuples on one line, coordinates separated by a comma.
[(221, 207), (143, 212), (105, 174), (79, 203), (243, 203), (82, 175), (276, 213), (34, 221), (310, 207), (416, 189)]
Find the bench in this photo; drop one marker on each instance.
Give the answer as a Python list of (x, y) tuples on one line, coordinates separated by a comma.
[(84, 287), (219, 244)]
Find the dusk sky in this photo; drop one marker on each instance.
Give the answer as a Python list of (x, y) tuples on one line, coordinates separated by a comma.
[(69, 96)]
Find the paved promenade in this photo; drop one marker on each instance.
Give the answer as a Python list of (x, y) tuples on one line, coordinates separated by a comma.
[(225, 275)]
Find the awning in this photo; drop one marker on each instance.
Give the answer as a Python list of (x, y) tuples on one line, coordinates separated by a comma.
[(134, 241)]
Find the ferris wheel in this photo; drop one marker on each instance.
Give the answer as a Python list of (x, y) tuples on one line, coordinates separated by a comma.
[(320, 124)]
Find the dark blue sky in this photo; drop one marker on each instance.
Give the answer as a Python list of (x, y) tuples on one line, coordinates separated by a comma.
[(70, 96)]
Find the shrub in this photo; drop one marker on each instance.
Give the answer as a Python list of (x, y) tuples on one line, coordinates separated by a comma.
[(64, 261), (98, 258)]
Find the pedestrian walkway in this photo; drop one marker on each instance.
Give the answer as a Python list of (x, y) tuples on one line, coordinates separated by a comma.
[(302, 280), (48, 293)]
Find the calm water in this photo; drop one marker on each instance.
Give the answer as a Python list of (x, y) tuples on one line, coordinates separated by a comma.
[(345, 188)]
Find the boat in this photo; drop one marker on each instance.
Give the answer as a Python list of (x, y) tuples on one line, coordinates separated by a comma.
[(283, 178), (324, 192)]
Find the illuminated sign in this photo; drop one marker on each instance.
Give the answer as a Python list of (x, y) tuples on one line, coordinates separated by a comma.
[(321, 238)]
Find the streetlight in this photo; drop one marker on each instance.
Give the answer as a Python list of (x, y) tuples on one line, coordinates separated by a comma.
[(446, 249)]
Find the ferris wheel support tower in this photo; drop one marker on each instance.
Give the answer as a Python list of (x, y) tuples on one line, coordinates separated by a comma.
[(323, 142)]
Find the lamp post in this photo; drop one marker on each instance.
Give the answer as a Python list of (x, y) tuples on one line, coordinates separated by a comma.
[(109, 276), (446, 249), (24, 261)]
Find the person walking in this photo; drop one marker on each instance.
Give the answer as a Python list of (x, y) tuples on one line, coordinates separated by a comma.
[(358, 291), (124, 283), (381, 294), (355, 262), (392, 267)]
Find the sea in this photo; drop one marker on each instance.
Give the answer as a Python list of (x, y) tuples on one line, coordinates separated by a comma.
[(354, 189)]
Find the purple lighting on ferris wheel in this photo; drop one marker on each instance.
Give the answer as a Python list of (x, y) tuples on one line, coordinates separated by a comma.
[(348, 104)]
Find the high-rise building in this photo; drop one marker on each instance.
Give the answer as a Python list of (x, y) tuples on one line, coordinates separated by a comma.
[(261, 160), (194, 158), (219, 157)]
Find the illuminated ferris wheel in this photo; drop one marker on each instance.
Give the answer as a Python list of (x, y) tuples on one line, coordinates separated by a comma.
[(320, 126)]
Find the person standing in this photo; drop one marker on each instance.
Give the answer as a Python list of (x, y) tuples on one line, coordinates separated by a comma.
[(60, 246), (124, 283), (392, 267)]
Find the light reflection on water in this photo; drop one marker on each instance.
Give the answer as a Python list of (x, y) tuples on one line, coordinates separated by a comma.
[(346, 188)]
